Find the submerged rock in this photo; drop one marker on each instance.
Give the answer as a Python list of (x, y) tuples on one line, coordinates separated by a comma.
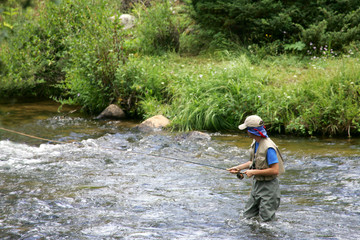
[(112, 112), (154, 123), (194, 136)]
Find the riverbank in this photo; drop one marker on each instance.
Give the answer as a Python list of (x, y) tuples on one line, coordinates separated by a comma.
[(293, 96)]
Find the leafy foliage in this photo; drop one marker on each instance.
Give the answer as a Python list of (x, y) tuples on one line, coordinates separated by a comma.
[(54, 52), (92, 61), (157, 28), (332, 23), (142, 85)]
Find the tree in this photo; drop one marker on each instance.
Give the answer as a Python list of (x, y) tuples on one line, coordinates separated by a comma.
[(264, 21)]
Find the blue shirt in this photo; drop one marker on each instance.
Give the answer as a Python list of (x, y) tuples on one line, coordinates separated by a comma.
[(270, 155)]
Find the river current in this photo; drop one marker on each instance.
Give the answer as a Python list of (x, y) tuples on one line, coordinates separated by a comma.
[(109, 181)]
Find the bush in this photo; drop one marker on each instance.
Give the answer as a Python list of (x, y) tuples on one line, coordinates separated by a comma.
[(16, 53), (335, 24), (54, 53), (57, 51), (142, 85), (92, 61), (31, 59), (157, 29)]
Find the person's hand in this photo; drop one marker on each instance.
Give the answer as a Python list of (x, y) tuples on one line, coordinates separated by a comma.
[(249, 173), (233, 170)]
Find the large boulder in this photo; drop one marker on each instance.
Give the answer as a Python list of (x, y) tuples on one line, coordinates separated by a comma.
[(127, 20), (112, 112), (154, 123)]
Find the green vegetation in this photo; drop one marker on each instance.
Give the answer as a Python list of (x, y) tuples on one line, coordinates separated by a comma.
[(316, 97), (289, 25), (78, 52)]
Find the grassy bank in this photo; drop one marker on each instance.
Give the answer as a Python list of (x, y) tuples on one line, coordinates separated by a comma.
[(151, 69), (303, 97)]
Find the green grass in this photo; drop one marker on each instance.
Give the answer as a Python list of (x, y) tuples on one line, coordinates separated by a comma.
[(293, 95)]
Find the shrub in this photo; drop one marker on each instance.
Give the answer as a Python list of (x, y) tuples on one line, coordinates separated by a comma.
[(31, 58), (15, 54), (142, 85), (54, 53), (335, 24), (157, 29), (92, 61)]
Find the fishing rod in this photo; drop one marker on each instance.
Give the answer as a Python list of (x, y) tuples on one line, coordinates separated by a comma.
[(239, 174)]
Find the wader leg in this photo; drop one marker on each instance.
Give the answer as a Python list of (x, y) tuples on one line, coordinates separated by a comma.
[(251, 207), (268, 208), (264, 200), (270, 201)]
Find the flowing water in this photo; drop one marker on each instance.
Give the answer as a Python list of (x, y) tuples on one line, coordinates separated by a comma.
[(109, 182)]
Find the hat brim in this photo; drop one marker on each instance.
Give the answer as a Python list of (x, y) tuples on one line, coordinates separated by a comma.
[(242, 126)]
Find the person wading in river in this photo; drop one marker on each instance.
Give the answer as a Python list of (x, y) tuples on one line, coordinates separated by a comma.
[(265, 165)]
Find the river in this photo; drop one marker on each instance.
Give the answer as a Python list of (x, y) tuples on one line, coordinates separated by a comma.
[(110, 181)]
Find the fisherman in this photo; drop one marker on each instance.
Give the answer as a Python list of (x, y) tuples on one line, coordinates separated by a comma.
[(265, 165)]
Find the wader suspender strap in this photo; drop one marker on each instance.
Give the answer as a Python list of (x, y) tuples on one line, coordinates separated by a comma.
[(253, 160)]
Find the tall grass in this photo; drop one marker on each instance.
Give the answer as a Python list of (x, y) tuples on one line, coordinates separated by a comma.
[(213, 96), (320, 98), (328, 101)]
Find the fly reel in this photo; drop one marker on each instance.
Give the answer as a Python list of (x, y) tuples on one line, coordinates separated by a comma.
[(240, 175)]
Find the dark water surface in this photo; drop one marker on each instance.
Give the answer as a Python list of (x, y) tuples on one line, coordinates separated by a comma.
[(108, 183)]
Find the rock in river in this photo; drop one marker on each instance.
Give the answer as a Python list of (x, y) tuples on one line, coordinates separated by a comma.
[(154, 123), (112, 112)]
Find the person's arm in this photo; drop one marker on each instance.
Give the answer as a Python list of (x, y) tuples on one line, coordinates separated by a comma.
[(272, 170), (240, 167)]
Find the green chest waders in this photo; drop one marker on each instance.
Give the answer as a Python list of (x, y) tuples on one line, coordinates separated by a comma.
[(264, 200)]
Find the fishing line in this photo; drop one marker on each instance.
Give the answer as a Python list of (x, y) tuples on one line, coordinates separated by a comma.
[(31, 136)]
